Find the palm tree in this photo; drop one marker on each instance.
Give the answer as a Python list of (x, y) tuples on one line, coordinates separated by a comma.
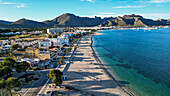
[(62, 58), (59, 62)]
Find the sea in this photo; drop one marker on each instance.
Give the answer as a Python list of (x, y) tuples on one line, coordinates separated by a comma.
[(139, 59)]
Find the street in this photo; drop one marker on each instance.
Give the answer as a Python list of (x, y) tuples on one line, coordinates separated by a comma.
[(34, 88)]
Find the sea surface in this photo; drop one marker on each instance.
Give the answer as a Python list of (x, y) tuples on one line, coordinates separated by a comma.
[(140, 59)]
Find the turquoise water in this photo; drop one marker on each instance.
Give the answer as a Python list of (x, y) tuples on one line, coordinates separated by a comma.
[(139, 58)]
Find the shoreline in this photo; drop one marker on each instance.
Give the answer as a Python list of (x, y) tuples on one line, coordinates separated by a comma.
[(86, 74), (107, 70)]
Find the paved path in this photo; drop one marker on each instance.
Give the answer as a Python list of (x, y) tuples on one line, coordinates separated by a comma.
[(34, 88)]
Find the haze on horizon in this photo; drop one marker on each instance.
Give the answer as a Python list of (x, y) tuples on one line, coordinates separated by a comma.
[(40, 10)]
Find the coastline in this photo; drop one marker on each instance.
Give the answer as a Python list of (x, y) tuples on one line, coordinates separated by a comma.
[(86, 74), (107, 70)]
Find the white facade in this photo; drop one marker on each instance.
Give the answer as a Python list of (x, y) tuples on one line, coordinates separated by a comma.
[(82, 31), (64, 38), (24, 43), (5, 42), (55, 30), (59, 41), (44, 43), (56, 42)]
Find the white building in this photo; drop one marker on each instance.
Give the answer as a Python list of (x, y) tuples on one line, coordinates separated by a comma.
[(56, 42), (82, 31), (24, 43), (44, 44), (5, 42), (55, 30), (64, 38), (59, 41), (5, 49)]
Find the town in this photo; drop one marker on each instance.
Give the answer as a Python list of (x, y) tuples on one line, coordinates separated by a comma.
[(23, 57)]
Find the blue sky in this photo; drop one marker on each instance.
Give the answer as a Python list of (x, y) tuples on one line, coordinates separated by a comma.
[(41, 10)]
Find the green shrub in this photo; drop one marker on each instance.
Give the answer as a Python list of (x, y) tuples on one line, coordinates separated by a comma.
[(48, 91)]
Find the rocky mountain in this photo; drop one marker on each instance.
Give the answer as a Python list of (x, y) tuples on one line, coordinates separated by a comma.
[(71, 20), (74, 21), (133, 20)]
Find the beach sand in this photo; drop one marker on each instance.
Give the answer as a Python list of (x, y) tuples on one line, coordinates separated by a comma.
[(86, 74)]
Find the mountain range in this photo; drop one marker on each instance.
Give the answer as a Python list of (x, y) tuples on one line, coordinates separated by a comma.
[(134, 20), (71, 20)]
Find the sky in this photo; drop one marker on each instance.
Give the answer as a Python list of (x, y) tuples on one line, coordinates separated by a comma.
[(41, 10)]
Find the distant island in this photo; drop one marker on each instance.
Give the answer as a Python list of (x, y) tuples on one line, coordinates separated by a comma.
[(71, 20)]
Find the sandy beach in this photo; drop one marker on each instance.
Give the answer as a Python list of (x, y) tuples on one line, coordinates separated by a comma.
[(87, 75)]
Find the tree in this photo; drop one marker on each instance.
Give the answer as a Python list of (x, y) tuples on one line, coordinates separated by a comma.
[(59, 62), (62, 58), (9, 62), (17, 36), (2, 87), (84, 34), (9, 84), (75, 47), (14, 47), (22, 67), (5, 70), (71, 38), (1, 64), (45, 31), (68, 50), (54, 59), (57, 80), (56, 76), (2, 83), (49, 36), (55, 36)]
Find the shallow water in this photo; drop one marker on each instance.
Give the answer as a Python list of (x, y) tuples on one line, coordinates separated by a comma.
[(141, 58)]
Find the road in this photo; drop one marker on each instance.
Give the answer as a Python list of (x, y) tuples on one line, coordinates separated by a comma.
[(36, 87)]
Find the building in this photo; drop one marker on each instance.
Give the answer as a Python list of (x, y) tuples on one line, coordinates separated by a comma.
[(44, 55), (31, 52), (4, 50), (24, 43), (5, 42), (44, 63), (32, 63), (55, 30), (18, 55), (56, 42), (64, 38), (44, 44)]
